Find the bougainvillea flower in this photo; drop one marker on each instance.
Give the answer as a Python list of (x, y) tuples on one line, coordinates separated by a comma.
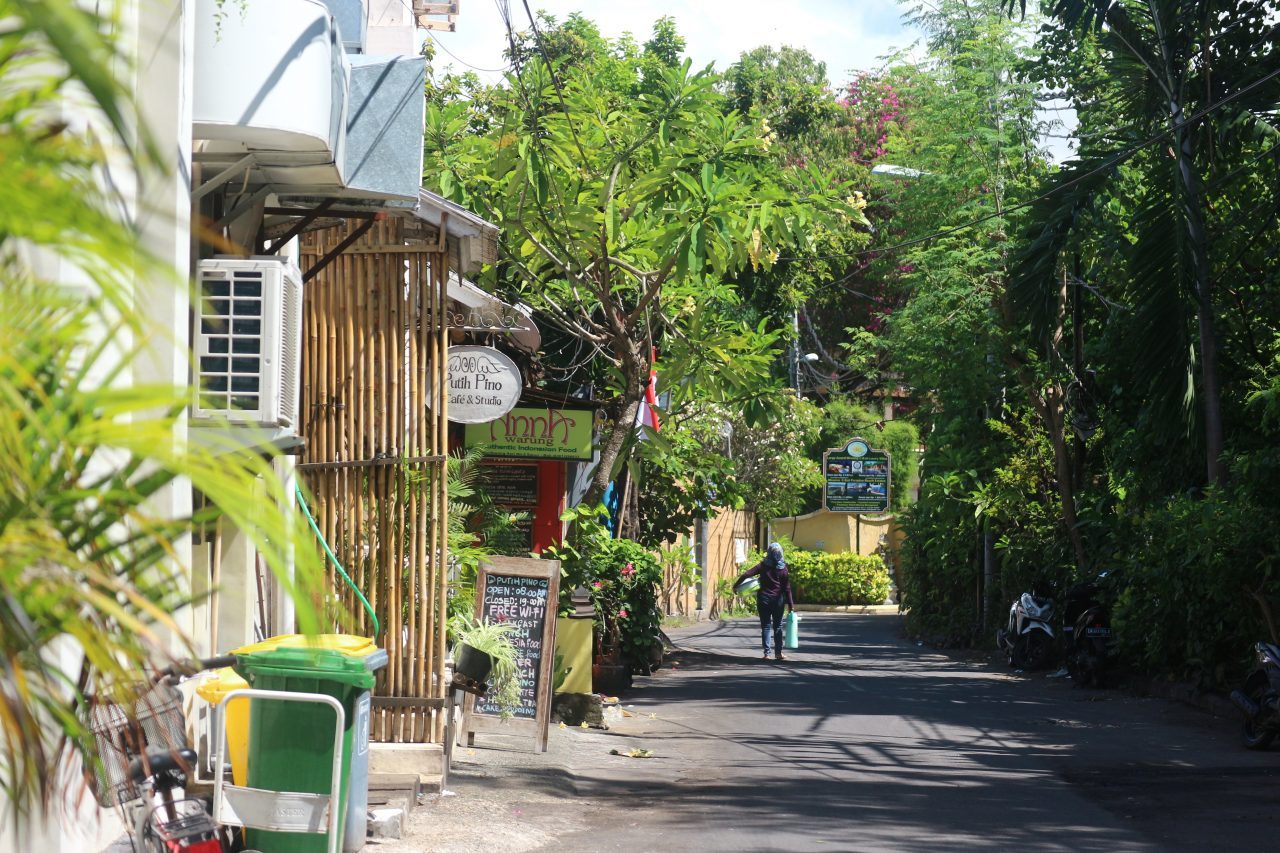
[(628, 570), (622, 613), (597, 584)]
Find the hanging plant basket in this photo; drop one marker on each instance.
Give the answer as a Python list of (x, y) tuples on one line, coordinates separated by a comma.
[(471, 663)]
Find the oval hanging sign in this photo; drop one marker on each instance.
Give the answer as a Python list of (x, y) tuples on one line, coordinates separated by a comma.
[(484, 384)]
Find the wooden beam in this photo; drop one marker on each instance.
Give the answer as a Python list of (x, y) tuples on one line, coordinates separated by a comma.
[(308, 216), (337, 250)]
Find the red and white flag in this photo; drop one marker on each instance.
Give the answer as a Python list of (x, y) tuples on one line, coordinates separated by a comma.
[(647, 414)]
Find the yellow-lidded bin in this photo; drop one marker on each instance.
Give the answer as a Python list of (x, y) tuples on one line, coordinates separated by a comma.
[(288, 743), (213, 689)]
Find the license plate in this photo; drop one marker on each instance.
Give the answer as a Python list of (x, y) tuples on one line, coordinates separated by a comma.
[(1097, 632)]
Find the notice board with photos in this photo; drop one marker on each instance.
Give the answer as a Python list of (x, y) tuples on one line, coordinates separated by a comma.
[(523, 592), (857, 478)]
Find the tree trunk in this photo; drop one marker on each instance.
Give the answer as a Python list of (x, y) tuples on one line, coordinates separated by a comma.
[(615, 441), (1214, 438)]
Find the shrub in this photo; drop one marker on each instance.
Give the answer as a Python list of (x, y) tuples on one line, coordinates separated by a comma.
[(624, 579), (733, 604), (821, 578), (1199, 588)]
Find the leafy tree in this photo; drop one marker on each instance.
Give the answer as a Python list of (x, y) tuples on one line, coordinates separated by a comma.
[(786, 87), (626, 218), (1198, 77)]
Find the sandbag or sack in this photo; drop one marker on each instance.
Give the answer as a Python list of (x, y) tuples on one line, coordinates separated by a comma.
[(793, 631)]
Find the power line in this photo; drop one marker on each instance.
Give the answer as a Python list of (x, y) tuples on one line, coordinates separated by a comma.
[(456, 58)]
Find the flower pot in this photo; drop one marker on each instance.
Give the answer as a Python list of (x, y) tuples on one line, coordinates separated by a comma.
[(471, 662), (610, 678)]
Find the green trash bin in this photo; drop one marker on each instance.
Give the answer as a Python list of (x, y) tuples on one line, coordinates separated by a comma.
[(291, 745)]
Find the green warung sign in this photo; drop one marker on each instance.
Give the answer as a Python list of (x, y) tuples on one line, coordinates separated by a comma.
[(541, 433)]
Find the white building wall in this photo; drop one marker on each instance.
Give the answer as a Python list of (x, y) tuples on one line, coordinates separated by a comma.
[(392, 29), (158, 34)]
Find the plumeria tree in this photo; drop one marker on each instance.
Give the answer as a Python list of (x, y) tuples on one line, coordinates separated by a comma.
[(627, 211)]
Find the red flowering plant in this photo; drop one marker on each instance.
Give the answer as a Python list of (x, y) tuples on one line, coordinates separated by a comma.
[(626, 578), (623, 578)]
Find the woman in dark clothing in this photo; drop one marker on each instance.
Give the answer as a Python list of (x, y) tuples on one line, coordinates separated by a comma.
[(772, 598)]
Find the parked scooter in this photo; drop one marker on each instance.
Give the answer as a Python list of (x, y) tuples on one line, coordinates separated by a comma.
[(1028, 638), (1086, 632), (1259, 699)]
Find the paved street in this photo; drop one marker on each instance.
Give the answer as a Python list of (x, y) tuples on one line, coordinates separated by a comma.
[(864, 741)]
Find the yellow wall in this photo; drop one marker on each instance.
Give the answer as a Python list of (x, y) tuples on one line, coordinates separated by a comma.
[(573, 641), (723, 532), (836, 532)]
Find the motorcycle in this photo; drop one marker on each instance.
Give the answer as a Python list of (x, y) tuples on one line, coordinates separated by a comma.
[(1028, 638), (1086, 632), (1259, 700)]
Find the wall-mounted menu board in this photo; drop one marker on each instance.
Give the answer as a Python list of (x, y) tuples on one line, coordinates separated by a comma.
[(523, 592), (511, 484)]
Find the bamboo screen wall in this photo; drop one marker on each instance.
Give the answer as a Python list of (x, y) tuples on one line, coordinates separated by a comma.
[(375, 426)]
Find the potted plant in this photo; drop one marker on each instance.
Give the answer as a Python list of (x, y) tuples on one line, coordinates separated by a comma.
[(483, 654)]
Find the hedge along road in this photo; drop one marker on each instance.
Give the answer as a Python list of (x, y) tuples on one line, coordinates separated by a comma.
[(865, 741)]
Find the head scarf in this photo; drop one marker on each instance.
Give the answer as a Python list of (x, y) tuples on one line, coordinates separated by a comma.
[(774, 557)]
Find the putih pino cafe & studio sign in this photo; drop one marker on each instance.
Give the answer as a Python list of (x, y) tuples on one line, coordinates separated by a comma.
[(484, 384), (536, 433)]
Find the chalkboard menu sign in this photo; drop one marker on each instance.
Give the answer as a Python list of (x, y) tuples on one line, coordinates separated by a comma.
[(523, 592), (857, 478), (523, 602)]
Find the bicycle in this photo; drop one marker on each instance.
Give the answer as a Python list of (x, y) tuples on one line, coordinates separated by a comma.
[(144, 759)]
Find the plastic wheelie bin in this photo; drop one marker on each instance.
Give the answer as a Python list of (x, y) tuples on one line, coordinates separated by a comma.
[(290, 745), (212, 689)]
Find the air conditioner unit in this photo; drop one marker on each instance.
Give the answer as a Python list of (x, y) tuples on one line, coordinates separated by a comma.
[(248, 342)]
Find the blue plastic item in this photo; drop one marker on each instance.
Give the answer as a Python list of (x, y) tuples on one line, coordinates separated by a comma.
[(793, 631)]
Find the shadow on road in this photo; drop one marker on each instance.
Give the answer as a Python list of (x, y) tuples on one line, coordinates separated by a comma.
[(913, 750)]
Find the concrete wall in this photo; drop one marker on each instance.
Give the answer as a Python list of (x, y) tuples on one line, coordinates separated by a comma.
[(719, 545)]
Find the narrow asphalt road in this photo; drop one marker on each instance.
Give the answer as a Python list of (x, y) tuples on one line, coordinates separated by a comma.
[(865, 741)]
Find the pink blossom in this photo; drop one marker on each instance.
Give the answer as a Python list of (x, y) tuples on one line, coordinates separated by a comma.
[(628, 570), (597, 584), (622, 614)]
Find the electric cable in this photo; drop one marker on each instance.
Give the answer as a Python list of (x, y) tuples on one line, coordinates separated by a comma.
[(458, 59)]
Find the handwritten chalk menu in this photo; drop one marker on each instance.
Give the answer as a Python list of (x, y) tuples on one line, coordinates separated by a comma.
[(519, 601), (523, 592)]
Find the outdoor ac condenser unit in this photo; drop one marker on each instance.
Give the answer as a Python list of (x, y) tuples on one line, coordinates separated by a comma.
[(248, 342)]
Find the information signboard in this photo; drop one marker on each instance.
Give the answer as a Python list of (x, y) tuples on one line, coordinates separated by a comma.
[(857, 478), (513, 485), (484, 384)]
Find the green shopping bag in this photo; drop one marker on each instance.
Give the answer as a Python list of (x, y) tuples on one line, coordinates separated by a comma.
[(793, 631)]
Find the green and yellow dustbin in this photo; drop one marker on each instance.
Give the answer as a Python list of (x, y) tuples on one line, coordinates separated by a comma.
[(291, 745), (212, 689)]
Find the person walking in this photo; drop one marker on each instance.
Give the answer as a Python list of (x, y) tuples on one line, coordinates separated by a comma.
[(772, 598)]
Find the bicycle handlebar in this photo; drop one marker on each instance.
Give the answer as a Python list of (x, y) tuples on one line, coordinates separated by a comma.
[(191, 667)]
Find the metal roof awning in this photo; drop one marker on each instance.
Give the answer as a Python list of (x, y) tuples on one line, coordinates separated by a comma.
[(477, 237), (477, 310)]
